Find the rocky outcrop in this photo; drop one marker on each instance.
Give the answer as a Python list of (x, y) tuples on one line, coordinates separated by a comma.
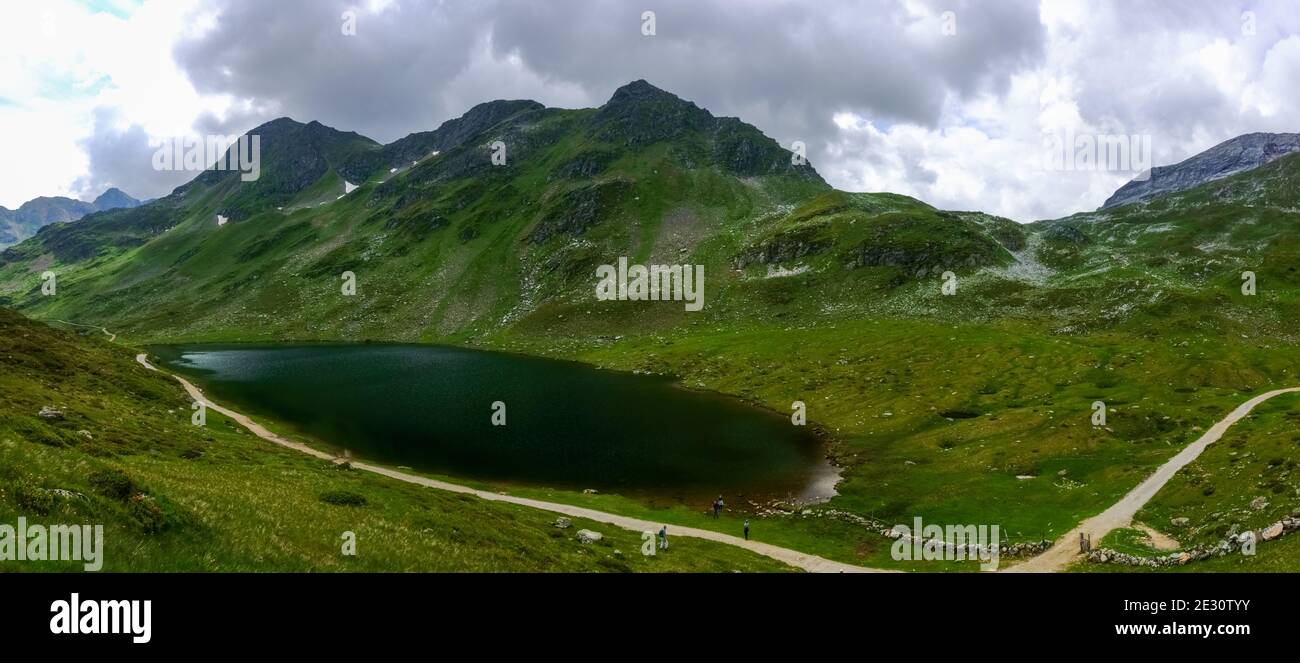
[(584, 166), (957, 550), (1227, 546), (580, 209), (925, 259), (785, 247), (1064, 233), (1238, 155)]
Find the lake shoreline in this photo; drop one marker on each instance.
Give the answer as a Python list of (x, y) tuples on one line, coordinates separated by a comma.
[(820, 476)]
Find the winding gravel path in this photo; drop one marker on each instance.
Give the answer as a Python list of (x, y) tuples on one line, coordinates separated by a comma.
[(792, 557), (1066, 549), (111, 336)]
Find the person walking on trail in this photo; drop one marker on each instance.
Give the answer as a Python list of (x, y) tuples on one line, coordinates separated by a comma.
[(663, 538), (746, 529), (717, 506)]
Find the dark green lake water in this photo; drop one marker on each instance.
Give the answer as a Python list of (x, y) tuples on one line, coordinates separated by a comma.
[(567, 425)]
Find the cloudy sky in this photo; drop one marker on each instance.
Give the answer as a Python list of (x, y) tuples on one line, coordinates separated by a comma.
[(946, 100)]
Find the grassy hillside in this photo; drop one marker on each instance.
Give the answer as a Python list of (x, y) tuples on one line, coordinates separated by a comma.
[(452, 245), (969, 408), (175, 497), (1245, 481)]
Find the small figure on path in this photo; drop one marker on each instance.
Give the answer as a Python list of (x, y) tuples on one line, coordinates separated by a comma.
[(746, 529), (717, 506), (663, 538)]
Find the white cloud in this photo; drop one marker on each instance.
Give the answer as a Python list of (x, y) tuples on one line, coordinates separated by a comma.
[(1189, 79), (1273, 94), (65, 66), (883, 99), (490, 75)]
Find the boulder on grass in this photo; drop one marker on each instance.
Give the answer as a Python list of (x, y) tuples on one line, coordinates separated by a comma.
[(1273, 531)]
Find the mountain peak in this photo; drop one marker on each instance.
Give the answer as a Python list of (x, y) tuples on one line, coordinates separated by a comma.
[(279, 123), (490, 112), (639, 114), (455, 131), (640, 91), (114, 198), (1235, 155)]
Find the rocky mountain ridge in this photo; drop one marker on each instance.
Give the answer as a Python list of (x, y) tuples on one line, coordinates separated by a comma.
[(1228, 158)]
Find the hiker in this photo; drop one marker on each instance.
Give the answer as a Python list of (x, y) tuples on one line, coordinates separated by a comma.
[(663, 538), (746, 529), (717, 506)]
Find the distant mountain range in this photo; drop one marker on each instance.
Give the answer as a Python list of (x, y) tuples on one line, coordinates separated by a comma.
[(31, 216), (448, 242), (1228, 158)]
